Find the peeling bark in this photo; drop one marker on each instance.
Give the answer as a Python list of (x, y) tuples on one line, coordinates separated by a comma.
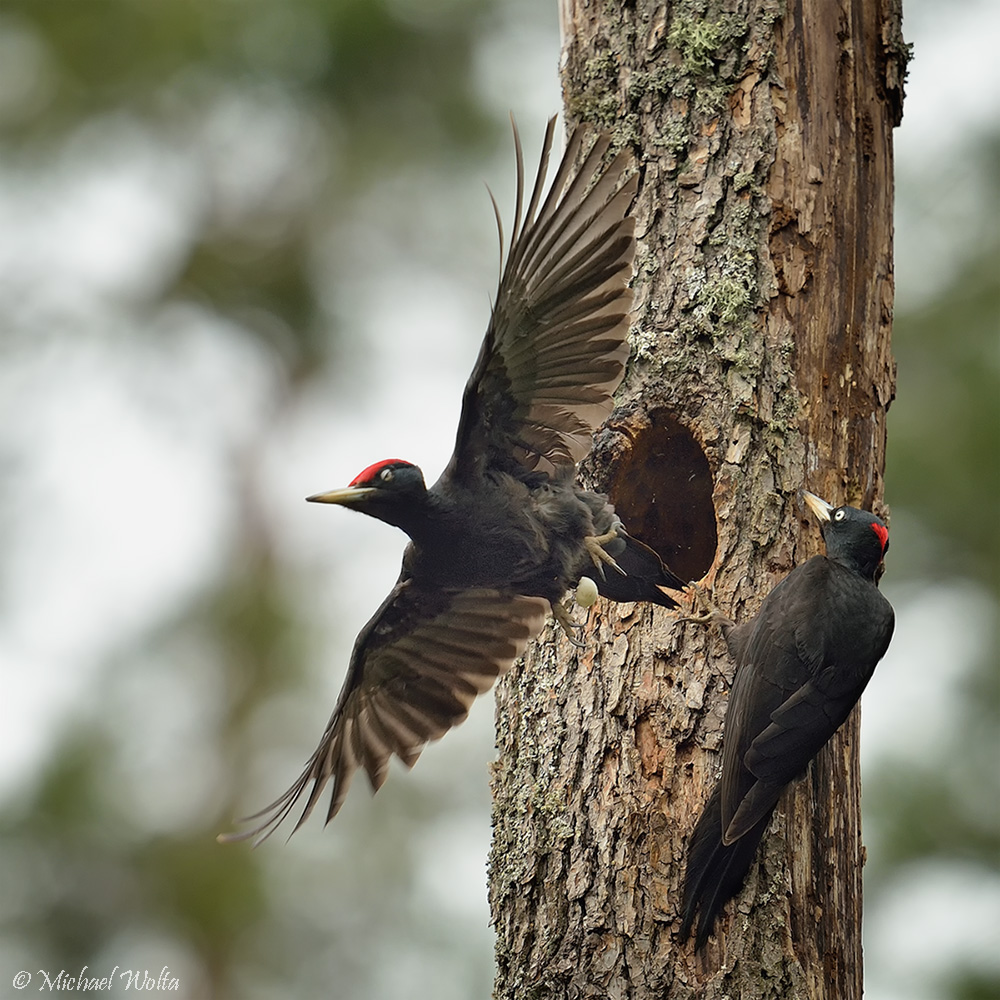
[(760, 364)]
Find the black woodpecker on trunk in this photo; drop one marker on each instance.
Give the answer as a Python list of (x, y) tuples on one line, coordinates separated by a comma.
[(505, 532), (801, 666)]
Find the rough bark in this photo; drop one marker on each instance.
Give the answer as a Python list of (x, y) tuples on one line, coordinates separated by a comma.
[(761, 364)]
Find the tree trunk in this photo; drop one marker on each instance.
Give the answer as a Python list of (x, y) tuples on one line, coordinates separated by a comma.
[(760, 364)]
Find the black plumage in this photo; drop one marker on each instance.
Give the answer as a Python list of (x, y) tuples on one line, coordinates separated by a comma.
[(801, 666), (502, 535)]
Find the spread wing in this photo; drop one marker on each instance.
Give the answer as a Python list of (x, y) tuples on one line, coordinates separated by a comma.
[(416, 669), (556, 345)]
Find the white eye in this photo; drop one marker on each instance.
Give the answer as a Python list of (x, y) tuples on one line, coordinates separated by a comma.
[(840, 514), (385, 475)]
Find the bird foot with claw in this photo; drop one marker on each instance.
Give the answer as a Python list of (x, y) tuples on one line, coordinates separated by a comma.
[(703, 610), (565, 621), (595, 546)]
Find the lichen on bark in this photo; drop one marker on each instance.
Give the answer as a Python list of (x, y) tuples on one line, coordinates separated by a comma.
[(761, 340)]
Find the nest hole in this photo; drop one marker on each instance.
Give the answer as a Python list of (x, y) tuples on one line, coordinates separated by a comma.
[(661, 485)]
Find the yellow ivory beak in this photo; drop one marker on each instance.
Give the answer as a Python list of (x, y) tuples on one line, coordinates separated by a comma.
[(345, 496), (818, 506)]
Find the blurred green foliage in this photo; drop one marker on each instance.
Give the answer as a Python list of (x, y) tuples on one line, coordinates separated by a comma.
[(361, 87), (943, 478), (944, 427), (378, 82)]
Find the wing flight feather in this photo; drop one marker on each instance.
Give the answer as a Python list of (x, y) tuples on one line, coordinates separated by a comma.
[(556, 345), (417, 667)]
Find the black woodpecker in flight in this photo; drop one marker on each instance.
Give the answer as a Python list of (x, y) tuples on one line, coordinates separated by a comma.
[(801, 665), (505, 532)]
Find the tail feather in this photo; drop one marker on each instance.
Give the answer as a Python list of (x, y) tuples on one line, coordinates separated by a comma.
[(715, 873), (644, 575)]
